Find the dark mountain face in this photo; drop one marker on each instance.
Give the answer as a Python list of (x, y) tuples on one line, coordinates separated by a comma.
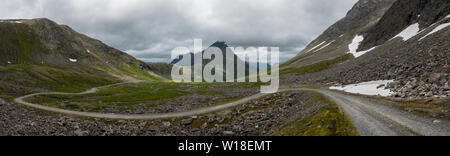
[(362, 14), (402, 14), (219, 44), (223, 49), (333, 42)]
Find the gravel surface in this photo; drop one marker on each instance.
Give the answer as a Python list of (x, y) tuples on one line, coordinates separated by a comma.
[(259, 115), (256, 117), (377, 118)]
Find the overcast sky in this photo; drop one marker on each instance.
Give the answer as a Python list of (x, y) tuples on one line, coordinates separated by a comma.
[(150, 29)]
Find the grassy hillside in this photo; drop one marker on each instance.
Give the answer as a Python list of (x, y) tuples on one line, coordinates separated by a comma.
[(40, 55), (320, 66), (327, 121), (23, 79)]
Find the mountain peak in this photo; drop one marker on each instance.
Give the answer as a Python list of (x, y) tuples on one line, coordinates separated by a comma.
[(219, 44)]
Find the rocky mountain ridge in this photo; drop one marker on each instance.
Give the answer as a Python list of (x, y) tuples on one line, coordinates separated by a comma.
[(408, 43)]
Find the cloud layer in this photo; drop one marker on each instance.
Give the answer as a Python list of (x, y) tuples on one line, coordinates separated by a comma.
[(150, 29)]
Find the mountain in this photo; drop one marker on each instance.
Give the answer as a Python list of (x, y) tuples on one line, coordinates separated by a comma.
[(163, 69), (402, 40), (39, 54), (333, 42), (223, 49)]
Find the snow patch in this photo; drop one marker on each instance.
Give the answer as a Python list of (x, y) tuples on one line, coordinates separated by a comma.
[(355, 45), (9, 62), (448, 16), (73, 60), (409, 32), (9, 21), (317, 46), (438, 28), (367, 88), (361, 53), (341, 35), (325, 46)]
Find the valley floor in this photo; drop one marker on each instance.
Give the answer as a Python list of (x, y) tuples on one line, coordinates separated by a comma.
[(268, 115), (292, 112)]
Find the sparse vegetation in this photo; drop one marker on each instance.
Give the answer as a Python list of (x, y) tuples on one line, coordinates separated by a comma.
[(327, 121), (320, 66), (23, 79), (136, 72), (147, 95)]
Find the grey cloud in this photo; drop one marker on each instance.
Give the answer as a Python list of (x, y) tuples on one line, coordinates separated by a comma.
[(151, 29)]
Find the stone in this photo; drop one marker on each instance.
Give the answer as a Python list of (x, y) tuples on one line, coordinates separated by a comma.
[(429, 94), (211, 119), (205, 125), (80, 132), (308, 124), (435, 77), (228, 133), (187, 122), (166, 124)]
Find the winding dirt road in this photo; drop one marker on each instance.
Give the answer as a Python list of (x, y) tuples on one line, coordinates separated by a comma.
[(370, 118)]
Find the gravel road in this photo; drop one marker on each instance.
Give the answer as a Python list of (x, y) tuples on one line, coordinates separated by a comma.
[(369, 117)]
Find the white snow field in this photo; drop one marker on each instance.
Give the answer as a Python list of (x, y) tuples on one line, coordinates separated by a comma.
[(438, 28), (317, 46), (73, 60), (325, 45), (409, 32), (367, 88), (355, 45)]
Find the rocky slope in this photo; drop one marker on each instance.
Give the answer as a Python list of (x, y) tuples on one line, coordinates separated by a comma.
[(408, 43), (333, 41), (39, 54)]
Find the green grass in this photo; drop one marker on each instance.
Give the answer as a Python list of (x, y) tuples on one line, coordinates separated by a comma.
[(317, 67), (137, 73), (19, 44), (295, 59), (27, 78), (141, 95), (327, 121)]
